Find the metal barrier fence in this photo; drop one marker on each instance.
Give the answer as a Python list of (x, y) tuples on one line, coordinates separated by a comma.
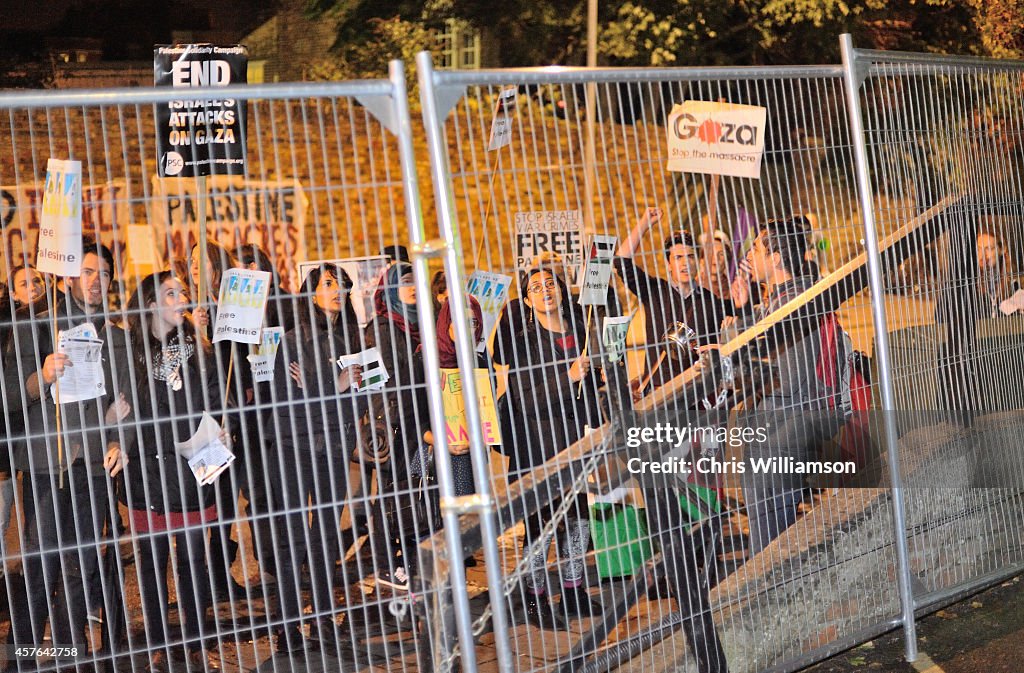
[(121, 553), (521, 159), (358, 534)]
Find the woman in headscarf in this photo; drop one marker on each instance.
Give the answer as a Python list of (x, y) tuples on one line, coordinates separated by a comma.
[(398, 418)]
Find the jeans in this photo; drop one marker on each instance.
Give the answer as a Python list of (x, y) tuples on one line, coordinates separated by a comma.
[(191, 581), (59, 583), (769, 514)]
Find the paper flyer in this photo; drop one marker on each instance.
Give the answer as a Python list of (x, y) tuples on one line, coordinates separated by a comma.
[(262, 361), (84, 379), (205, 453), (374, 374)]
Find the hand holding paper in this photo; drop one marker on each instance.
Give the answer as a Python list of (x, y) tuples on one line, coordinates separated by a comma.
[(206, 452)]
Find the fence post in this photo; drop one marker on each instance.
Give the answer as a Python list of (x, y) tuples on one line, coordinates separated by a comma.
[(449, 575), (484, 501), (882, 357)]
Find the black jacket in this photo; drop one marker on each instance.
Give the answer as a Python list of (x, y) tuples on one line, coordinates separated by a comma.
[(170, 404), (316, 414), (85, 436), (402, 405), (544, 415)]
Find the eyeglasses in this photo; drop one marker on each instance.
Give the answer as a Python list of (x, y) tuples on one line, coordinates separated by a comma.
[(549, 284)]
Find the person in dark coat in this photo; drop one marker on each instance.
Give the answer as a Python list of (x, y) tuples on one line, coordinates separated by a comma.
[(315, 417), (66, 481), (398, 418), (163, 496), (551, 398)]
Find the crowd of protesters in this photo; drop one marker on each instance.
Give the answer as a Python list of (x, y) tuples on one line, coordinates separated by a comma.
[(315, 451)]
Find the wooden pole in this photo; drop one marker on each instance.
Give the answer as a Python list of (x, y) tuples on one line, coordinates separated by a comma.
[(712, 224), (56, 395), (586, 345)]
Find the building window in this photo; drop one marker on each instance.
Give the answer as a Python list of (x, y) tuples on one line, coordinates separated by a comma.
[(458, 46)]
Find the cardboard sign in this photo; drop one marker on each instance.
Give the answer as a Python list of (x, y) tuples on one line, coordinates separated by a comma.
[(456, 427), (263, 360), (365, 273), (105, 210), (270, 214), (491, 290), (200, 137), (59, 248), (716, 138), (501, 124), (598, 272), (550, 231), (613, 336), (240, 307)]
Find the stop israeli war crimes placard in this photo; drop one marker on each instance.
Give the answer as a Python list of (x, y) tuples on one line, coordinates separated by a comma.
[(716, 138), (59, 247), (557, 231), (240, 307), (200, 137)]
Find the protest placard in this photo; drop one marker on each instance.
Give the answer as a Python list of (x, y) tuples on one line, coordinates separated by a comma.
[(262, 361), (200, 137), (240, 307), (365, 273), (716, 138), (501, 124), (557, 231), (613, 336), (598, 271), (104, 212), (456, 427), (59, 249), (267, 213), (491, 290)]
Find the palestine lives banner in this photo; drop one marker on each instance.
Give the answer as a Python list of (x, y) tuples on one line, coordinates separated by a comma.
[(200, 137), (104, 211), (269, 214)]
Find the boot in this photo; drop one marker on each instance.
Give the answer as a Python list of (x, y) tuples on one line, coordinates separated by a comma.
[(542, 614), (578, 604)]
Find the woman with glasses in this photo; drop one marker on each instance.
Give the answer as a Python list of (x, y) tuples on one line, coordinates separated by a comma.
[(552, 396), (316, 415)]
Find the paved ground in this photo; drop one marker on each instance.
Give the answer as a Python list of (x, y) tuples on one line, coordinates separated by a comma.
[(983, 634)]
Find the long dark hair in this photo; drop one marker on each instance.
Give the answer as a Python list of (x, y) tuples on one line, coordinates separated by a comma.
[(567, 306), (312, 319), (139, 316), (221, 260)]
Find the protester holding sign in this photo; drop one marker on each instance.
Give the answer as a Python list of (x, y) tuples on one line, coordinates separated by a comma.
[(667, 302), (163, 496), (257, 421), (315, 425), (66, 481), (398, 416), (462, 466), (549, 409), (223, 549)]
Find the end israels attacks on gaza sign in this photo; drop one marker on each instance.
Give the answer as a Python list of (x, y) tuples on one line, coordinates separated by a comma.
[(200, 137)]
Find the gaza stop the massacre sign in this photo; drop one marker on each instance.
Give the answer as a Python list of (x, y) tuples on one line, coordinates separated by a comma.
[(200, 137), (716, 138)]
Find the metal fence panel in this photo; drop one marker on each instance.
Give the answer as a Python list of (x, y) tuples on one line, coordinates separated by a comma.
[(945, 128), (299, 556), (811, 589)]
